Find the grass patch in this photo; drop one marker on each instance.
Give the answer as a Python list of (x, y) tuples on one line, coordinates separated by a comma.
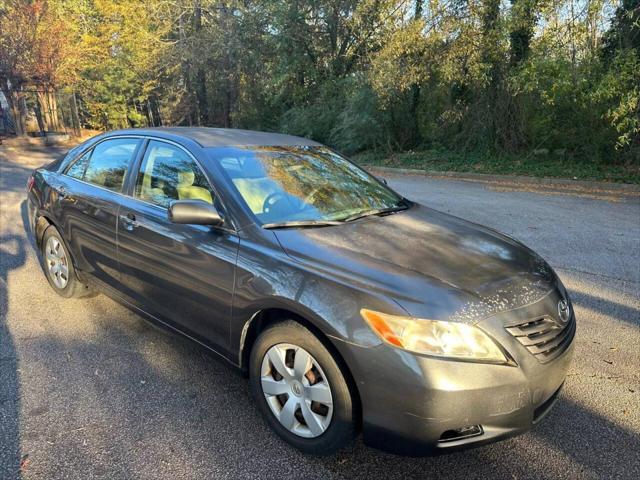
[(534, 165)]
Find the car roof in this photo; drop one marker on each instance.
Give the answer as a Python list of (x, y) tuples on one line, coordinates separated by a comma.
[(221, 137)]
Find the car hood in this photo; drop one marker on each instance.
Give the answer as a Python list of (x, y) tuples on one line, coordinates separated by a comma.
[(433, 264)]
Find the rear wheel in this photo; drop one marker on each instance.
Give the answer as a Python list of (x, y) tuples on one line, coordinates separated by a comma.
[(301, 390), (58, 266)]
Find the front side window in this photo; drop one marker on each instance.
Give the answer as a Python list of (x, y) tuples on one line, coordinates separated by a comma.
[(168, 173), (107, 164), (299, 183)]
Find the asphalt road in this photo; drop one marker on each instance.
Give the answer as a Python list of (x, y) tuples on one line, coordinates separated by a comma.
[(90, 390)]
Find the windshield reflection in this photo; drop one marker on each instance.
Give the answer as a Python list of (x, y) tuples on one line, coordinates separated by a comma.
[(283, 184)]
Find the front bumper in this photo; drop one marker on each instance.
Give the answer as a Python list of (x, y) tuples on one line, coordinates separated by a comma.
[(409, 401)]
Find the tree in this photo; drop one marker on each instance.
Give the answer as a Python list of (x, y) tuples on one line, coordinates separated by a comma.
[(480, 76), (54, 62), (17, 41), (620, 86), (121, 44)]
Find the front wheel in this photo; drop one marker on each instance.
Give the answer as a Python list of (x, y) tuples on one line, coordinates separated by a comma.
[(301, 390)]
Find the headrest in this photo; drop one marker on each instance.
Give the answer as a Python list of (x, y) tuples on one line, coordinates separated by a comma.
[(186, 178)]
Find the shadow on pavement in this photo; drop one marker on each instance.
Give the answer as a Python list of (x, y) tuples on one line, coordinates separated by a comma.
[(12, 175), (618, 311), (24, 215), (12, 256)]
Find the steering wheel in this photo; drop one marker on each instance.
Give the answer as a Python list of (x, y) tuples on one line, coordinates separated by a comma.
[(273, 199)]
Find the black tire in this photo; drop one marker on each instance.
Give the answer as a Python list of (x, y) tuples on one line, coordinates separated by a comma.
[(342, 427), (73, 288)]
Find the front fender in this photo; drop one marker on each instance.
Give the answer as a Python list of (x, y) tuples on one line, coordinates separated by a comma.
[(268, 279)]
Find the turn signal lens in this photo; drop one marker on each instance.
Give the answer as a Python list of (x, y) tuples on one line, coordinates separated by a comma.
[(434, 337)]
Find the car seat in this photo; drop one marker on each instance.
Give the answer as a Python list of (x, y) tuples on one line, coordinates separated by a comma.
[(188, 191)]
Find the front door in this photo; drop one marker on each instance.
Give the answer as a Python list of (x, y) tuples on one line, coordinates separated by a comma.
[(181, 274)]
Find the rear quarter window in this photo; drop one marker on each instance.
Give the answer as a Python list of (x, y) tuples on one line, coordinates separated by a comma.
[(77, 168)]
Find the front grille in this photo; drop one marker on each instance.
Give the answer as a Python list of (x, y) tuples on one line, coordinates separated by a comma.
[(544, 337)]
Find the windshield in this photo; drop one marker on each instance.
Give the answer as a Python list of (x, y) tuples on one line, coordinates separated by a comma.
[(302, 184)]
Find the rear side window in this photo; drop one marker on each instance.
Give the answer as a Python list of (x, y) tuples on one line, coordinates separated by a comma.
[(107, 164)]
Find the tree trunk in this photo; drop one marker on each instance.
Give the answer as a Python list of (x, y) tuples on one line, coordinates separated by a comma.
[(74, 114), (3, 122), (22, 109), (155, 109), (229, 67), (491, 38), (13, 110), (18, 112), (15, 113), (491, 56), (45, 110), (201, 95), (201, 79), (40, 120), (49, 108), (150, 120), (53, 104), (523, 21), (191, 106), (415, 89)]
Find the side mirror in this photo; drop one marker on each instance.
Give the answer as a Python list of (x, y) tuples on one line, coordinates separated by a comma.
[(194, 212), (383, 180)]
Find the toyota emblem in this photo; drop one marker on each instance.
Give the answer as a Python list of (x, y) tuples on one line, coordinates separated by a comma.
[(563, 311)]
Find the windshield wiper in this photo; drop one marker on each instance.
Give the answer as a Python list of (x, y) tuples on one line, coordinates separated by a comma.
[(329, 223), (375, 211), (302, 224)]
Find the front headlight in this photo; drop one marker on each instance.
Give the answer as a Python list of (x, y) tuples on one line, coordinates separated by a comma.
[(435, 337)]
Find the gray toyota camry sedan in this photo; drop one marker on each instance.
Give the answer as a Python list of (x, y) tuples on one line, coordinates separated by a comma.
[(349, 307)]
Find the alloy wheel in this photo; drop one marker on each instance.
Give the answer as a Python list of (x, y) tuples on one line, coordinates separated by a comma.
[(296, 390), (57, 263)]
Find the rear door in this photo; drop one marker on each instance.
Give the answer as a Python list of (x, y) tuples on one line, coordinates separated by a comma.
[(88, 199), (182, 274)]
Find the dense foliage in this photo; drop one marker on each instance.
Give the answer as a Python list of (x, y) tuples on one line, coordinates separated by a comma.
[(556, 76)]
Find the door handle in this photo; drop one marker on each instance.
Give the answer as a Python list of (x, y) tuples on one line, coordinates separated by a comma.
[(129, 221)]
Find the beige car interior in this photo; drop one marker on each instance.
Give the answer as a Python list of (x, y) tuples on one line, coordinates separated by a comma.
[(168, 174), (254, 186), (255, 191), (188, 191)]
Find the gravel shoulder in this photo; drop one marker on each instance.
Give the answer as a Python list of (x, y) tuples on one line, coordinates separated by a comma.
[(89, 389)]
